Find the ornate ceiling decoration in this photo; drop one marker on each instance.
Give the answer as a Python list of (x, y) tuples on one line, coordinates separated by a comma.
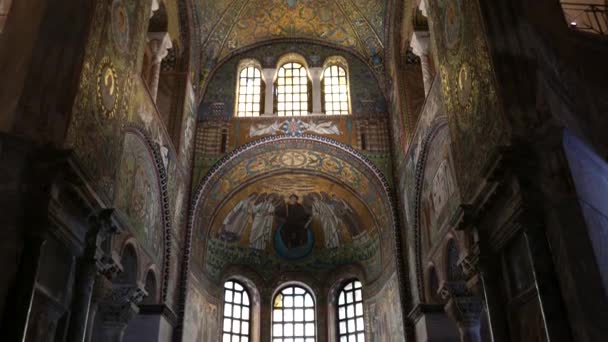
[(357, 25)]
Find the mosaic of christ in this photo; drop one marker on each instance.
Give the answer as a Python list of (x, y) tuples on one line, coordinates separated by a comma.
[(294, 211)]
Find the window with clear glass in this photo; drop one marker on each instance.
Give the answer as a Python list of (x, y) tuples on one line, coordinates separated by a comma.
[(292, 90), (351, 327), (293, 315), (335, 91), (249, 96), (236, 313)]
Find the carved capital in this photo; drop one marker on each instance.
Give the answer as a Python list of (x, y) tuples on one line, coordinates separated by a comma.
[(120, 304), (465, 311), (462, 306), (160, 44), (470, 261), (108, 265), (420, 43), (452, 289)]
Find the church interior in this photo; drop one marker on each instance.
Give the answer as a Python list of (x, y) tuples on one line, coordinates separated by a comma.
[(304, 170)]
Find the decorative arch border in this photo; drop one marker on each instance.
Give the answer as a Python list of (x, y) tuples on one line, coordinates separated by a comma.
[(196, 200), (438, 126), (161, 176)]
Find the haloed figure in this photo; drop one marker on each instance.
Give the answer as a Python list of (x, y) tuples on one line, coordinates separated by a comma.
[(295, 228)]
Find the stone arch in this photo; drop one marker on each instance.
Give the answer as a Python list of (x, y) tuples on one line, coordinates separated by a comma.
[(205, 199), (154, 153), (439, 125), (453, 271), (129, 259), (432, 283), (151, 286)]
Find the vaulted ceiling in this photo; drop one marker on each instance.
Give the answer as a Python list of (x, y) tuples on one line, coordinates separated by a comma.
[(357, 25)]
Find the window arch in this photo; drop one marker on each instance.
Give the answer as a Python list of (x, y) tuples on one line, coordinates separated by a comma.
[(237, 313), (335, 90), (293, 315), (351, 326), (249, 91), (292, 90), (454, 271)]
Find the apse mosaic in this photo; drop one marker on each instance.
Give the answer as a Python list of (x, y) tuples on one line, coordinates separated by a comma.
[(292, 205), (292, 217)]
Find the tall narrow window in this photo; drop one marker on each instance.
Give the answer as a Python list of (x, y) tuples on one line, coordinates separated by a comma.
[(236, 313), (293, 315), (351, 327), (249, 92), (292, 90), (335, 90)]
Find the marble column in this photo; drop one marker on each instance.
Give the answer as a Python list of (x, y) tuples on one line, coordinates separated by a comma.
[(315, 74), (159, 43), (420, 47), (268, 76), (93, 262), (464, 309), (117, 309)]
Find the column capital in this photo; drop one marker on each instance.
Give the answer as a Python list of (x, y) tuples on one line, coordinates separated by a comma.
[(315, 72), (462, 306), (268, 75), (160, 44), (120, 304), (420, 43)]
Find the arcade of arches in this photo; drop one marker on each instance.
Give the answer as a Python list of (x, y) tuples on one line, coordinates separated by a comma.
[(303, 170)]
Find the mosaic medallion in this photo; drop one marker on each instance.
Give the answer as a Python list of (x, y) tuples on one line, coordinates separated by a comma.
[(107, 87), (120, 26), (452, 23)]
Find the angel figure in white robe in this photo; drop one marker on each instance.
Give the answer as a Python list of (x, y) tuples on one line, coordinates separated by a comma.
[(236, 220), (330, 223), (263, 220), (265, 129), (326, 127)]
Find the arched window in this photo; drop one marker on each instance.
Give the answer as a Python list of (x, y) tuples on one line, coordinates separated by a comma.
[(5, 7), (236, 313), (249, 92), (351, 327), (335, 90), (292, 90), (293, 315), (454, 271)]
